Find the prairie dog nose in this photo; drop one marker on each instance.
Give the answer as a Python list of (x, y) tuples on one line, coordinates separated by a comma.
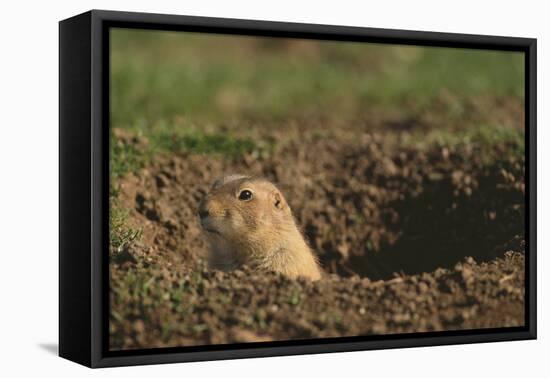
[(203, 211)]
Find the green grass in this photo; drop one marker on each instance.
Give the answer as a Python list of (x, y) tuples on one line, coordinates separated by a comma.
[(203, 143), (130, 157), (158, 76), (120, 233), (485, 135), (484, 138), (125, 158)]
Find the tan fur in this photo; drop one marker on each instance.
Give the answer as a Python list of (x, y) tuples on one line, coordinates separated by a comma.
[(260, 232)]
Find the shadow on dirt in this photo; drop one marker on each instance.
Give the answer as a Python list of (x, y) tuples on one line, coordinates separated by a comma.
[(443, 225)]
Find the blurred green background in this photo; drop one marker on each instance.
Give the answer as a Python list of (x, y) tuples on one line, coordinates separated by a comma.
[(159, 76)]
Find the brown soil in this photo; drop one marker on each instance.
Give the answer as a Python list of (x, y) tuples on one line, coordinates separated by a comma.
[(413, 240)]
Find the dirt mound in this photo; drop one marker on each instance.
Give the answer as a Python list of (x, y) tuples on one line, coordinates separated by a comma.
[(373, 209), (179, 307)]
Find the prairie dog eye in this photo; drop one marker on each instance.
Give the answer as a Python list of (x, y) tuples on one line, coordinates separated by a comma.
[(245, 195)]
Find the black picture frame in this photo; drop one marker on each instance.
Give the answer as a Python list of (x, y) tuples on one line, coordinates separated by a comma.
[(84, 180)]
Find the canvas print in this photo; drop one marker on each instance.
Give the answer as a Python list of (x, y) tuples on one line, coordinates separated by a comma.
[(268, 189)]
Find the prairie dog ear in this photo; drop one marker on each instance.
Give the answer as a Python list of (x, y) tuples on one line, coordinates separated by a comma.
[(278, 200)]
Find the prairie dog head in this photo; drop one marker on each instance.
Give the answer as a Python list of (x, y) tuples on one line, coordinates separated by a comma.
[(248, 221), (239, 207)]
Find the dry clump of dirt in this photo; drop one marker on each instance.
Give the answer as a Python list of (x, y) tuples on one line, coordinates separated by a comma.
[(389, 222)]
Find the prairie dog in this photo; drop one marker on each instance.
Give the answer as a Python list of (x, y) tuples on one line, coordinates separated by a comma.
[(247, 221)]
